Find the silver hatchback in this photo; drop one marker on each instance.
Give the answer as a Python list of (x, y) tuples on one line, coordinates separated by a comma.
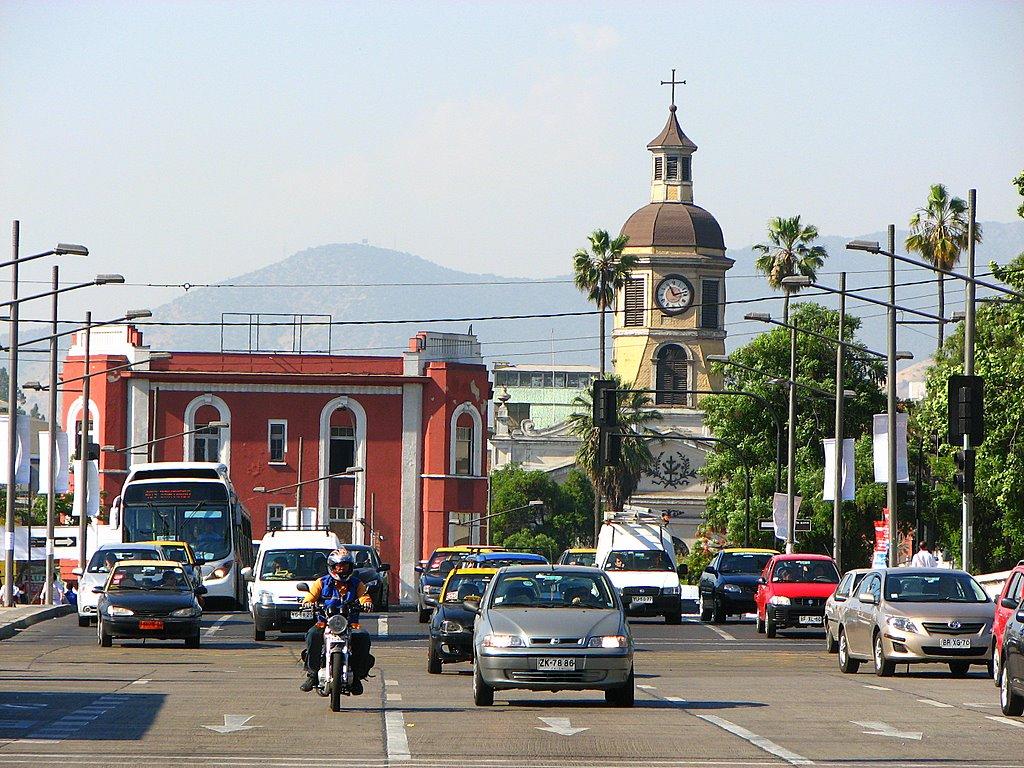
[(552, 628)]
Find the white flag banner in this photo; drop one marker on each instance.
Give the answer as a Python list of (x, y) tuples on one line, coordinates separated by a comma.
[(93, 508), (23, 470), (849, 487), (59, 470), (780, 513), (881, 448)]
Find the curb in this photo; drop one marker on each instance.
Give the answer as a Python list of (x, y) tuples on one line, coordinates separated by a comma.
[(11, 629)]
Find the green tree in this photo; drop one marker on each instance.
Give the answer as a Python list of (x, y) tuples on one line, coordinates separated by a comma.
[(618, 482), (742, 421), (5, 385), (602, 271), (938, 232), (1019, 184), (789, 253), (567, 507)]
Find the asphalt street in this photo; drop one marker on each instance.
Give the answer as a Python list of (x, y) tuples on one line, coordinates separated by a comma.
[(707, 696)]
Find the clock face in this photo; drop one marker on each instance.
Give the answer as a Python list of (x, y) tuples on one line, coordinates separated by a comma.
[(674, 294)]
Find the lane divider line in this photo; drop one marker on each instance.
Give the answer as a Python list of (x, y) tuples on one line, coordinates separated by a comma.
[(394, 697), (934, 703), (720, 632), (390, 682), (397, 742), (217, 625), (877, 687), (382, 626), (1006, 721), (758, 741)]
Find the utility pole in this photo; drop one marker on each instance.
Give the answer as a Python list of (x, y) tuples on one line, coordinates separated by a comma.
[(12, 421), (298, 486), (837, 504), (890, 389), (968, 498), (83, 452), (51, 492), (791, 457)]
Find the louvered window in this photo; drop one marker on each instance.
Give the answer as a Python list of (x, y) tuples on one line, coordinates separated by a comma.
[(671, 378), (673, 168), (709, 304), (634, 303), (685, 168), (657, 168)]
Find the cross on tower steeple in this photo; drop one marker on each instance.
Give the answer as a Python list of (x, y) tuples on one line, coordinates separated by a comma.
[(673, 82)]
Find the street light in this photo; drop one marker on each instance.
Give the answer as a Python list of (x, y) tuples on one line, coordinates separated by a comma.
[(534, 504), (208, 425), (347, 472), (40, 387)]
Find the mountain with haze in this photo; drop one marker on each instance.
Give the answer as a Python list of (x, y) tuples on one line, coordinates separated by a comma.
[(378, 298)]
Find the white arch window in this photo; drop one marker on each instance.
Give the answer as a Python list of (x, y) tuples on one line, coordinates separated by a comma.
[(349, 444), (465, 447), (73, 423), (201, 442)]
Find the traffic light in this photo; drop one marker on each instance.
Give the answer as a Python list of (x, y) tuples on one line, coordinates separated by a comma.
[(606, 406), (965, 470), (966, 409), (610, 448)]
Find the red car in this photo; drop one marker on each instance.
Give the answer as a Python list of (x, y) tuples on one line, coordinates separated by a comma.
[(1006, 604), (792, 592)]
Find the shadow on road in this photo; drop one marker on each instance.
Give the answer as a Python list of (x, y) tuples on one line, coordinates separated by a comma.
[(59, 715)]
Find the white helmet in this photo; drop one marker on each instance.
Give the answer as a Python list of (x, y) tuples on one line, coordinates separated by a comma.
[(340, 557)]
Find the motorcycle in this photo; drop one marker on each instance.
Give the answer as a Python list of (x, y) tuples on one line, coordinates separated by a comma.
[(336, 675)]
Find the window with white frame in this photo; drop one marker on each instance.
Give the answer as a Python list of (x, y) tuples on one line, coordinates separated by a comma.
[(341, 520), (206, 443), (464, 450), (342, 449), (275, 517), (277, 439)]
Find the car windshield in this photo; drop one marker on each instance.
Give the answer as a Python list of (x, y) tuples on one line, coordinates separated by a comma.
[(816, 571), (149, 578), (579, 558), (638, 560), (743, 562), (552, 590), (501, 562), (466, 587), (294, 564), (105, 559), (362, 557), (933, 588), (434, 564), (175, 552)]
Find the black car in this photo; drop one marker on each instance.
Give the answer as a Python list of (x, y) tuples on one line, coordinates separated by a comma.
[(1011, 671), (728, 584), (451, 626), (149, 599), (373, 573)]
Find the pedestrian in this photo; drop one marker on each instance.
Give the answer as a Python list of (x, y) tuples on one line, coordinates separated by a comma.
[(924, 557), (71, 595), (58, 590)]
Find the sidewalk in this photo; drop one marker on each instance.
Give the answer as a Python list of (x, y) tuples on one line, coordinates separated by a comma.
[(24, 616)]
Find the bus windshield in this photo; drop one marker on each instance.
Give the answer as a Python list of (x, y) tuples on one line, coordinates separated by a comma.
[(180, 511)]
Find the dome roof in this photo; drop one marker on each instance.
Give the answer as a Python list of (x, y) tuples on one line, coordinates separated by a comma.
[(673, 225)]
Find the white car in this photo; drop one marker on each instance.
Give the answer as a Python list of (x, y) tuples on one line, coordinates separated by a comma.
[(286, 558), (96, 573)]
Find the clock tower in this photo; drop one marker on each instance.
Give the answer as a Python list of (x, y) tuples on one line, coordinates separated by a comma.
[(670, 315)]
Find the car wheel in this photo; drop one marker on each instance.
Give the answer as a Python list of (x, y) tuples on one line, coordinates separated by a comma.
[(624, 695), (758, 624), (433, 659), (424, 615), (847, 664), (1009, 702), (770, 627), (717, 613), (104, 639), (259, 635), (193, 641), (83, 621), (831, 646), (997, 667), (959, 668), (705, 611), (483, 694), (883, 667)]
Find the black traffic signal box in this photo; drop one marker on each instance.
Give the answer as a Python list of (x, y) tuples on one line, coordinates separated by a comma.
[(965, 470), (966, 409), (606, 406)]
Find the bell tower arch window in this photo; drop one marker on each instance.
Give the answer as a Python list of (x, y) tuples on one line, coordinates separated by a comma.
[(672, 367)]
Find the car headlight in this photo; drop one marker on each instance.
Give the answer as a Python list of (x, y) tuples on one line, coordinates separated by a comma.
[(183, 613), (266, 598), (222, 570), (116, 610), (779, 600), (901, 624), (503, 641), (337, 624), (608, 641), (448, 627), (733, 588), (670, 591)]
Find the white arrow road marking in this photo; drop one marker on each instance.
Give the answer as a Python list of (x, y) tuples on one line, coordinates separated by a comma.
[(233, 723), (884, 729), (559, 725), (1006, 721)]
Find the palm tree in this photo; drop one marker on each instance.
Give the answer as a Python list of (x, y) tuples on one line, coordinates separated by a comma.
[(789, 254), (616, 483), (601, 272), (938, 232)]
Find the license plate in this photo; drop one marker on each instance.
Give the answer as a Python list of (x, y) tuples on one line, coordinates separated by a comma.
[(955, 642), (302, 615), (809, 620), (151, 624), (557, 664), (642, 599)]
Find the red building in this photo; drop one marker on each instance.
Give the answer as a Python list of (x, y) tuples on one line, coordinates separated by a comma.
[(412, 426)]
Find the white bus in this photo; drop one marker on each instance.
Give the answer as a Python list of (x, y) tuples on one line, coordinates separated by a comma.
[(190, 501)]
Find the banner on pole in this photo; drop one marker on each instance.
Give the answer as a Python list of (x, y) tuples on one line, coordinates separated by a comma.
[(849, 472), (23, 463), (93, 506), (58, 471), (880, 433), (780, 513)]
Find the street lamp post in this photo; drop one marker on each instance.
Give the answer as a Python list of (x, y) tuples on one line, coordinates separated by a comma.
[(210, 425), (967, 542)]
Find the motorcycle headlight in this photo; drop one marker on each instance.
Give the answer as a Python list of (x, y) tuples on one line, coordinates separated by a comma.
[(670, 591), (608, 641), (116, 610), (448, 627), (184, 613), (779, 600), (503, 641), (337, 624), (266, 598), (901, 624), (731, 588)]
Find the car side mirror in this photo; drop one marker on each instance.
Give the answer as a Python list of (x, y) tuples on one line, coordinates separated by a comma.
[(247, 573), (682, 569), (418, 568), (302, 587), (473, 606), (762, 580), (200, 591), (200, 561), (1020, 616), (98, 590), (77, 571), (711, 571), (1008, 602), (867, 597), (384, 567)]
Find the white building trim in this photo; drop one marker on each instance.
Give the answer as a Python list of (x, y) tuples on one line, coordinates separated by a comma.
[(223, 412), (410, 533), (314, 389), (359, 478), (75, 414), (476, 451)]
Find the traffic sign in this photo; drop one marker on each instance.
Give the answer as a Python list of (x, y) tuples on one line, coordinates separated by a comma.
[(800, 526)]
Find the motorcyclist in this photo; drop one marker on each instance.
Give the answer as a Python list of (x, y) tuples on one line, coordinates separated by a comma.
[(341, 585)]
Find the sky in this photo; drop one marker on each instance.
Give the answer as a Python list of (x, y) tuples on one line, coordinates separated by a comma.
[(188, 142)]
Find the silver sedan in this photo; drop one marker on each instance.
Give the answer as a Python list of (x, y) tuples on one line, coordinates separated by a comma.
[(549, 628)]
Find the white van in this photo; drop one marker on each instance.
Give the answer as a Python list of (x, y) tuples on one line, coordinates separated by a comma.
[(636, 551), (284, 559)]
